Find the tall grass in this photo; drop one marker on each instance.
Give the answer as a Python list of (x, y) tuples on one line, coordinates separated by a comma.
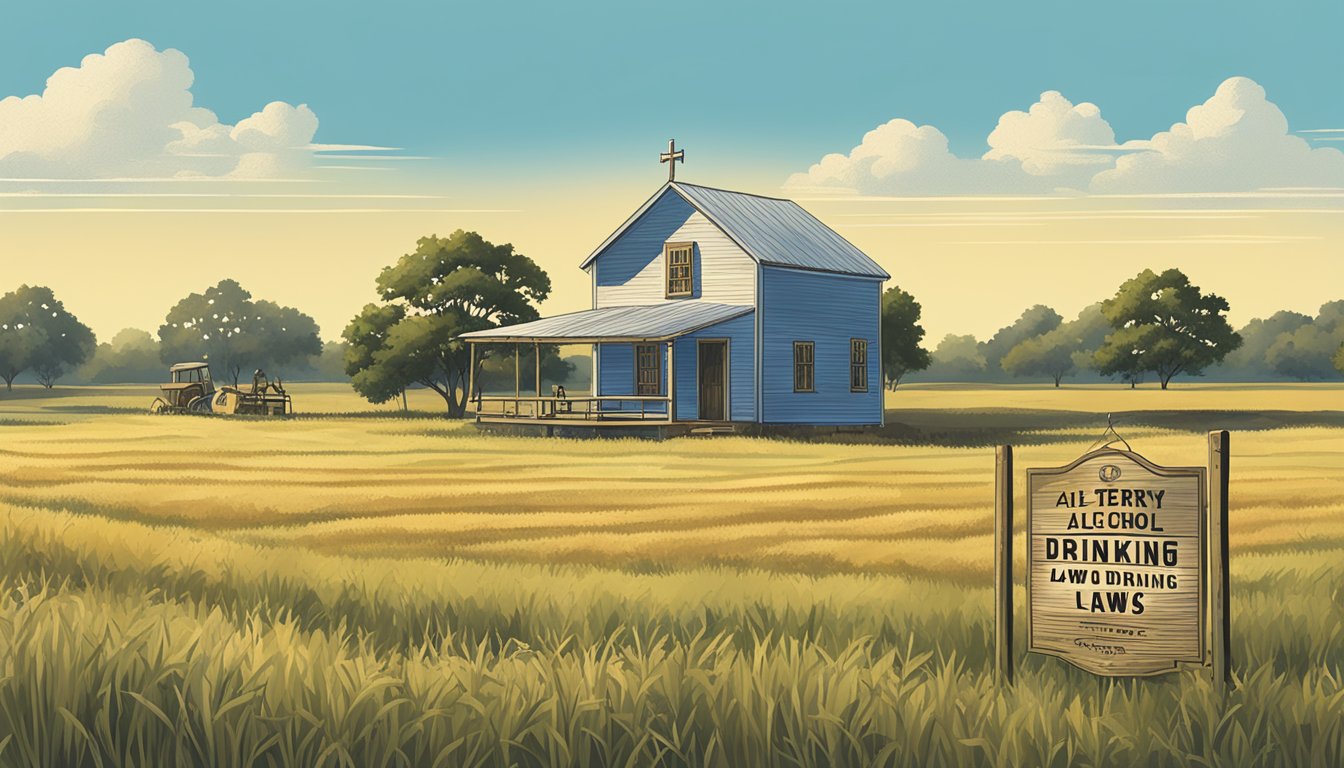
[(126, 644)]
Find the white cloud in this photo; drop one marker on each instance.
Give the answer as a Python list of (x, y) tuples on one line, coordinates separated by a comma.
[(900, 157), (1055, 137), (128, 113), (1236, 141)]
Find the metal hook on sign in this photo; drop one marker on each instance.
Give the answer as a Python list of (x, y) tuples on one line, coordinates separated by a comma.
[(1114, 437)]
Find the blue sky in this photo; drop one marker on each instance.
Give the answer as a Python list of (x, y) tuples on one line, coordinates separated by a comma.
[(757, 85), (989, 155)]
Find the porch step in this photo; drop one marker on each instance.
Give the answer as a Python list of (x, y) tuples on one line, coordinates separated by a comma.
[(726, 429)]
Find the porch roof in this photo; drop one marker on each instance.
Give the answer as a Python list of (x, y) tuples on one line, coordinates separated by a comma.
[(650, 322)]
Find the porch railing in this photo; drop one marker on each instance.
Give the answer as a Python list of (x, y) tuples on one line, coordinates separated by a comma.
[(594, 408)]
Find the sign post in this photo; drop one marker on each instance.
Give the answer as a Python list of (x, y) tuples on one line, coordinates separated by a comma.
[(1220, 620), (1003, 564), (1116, 564)]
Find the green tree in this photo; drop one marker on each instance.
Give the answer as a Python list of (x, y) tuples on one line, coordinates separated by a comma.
[(226, 328), (1050, 354), (37, 333), (1060, 352), (131, 356), (19, 337), (901, 336), (1250, 360), (1164, 324), (446, 287), (1033, 322), (1307, 352), (957, 358), (1339, 359)]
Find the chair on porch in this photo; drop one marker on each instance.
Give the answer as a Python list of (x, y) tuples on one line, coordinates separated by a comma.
[(561, 402)]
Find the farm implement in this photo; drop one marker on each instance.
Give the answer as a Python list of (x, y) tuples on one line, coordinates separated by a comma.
[(192, 390)]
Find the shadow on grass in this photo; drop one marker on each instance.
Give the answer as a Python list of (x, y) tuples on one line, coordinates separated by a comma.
[(94, 409), (31, 423), (397, 415), (993, 426)]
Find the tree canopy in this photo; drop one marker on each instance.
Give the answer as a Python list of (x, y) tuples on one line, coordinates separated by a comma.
[(1307, 352), (446, 287), (1164, 324), (37, 333), (958, 358), (1061, 351), (131, 356), (901, 336), (1033, 322), (1257, 336), (225, 327)]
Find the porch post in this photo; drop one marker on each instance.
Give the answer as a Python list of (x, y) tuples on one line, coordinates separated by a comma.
[(536, 350), (672, 380), (517, 376), (471, 375)]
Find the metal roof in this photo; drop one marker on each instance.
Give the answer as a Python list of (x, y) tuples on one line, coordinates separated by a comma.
[(187, 366), (771, 230), (650, 322)]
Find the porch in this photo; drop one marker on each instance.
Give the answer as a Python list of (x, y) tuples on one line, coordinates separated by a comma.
[(634, 370)]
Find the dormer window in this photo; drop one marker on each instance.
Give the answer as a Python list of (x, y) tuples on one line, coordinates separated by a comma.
[(680, 258)]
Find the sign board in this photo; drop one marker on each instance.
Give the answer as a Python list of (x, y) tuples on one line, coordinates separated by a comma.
[(1116, 564)]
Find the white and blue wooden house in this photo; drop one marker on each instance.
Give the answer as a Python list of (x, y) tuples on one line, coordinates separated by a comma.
[(712, 307)]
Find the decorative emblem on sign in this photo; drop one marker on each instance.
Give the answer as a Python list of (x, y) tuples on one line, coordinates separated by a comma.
[(1115, 571)]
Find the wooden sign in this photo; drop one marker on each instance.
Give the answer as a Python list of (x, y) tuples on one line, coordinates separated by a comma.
[(1116, 564)]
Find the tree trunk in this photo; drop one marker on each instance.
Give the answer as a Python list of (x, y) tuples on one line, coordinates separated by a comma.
[(450, 399), (457, 406)]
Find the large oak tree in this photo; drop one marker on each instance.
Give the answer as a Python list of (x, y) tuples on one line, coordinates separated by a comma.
[(1164, 324), (446, 287)]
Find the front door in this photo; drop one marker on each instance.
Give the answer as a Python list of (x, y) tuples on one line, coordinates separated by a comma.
[(713, 380)]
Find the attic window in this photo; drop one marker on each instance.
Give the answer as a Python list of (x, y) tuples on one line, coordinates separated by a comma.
[(680, 258)]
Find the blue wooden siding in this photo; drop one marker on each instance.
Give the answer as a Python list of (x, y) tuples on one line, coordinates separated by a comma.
[(616, 370), (636, 250), (827, 310), (616, 375), (630, 271), (741, 334)]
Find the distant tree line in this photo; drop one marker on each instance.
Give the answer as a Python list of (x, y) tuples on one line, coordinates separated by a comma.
[(223, 326), (1157, 326)]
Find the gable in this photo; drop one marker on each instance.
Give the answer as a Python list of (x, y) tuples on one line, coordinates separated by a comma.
[(769, 230), (631, 269)]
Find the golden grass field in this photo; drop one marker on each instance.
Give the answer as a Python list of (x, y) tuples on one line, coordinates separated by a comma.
[(430, 488), (359, 586)]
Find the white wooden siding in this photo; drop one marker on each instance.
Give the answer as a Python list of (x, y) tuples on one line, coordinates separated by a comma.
[(724, 272)]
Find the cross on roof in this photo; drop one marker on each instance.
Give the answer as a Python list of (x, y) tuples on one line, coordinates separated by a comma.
[(672, 156)]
